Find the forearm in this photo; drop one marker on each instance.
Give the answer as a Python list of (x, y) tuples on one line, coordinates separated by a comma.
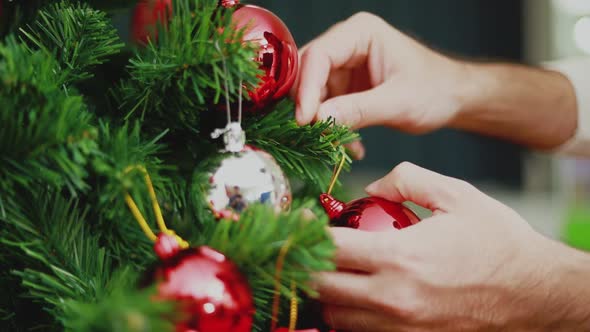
[(533, 107)]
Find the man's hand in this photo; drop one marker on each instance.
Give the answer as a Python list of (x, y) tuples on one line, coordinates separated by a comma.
[(363, 72), (475, 265)]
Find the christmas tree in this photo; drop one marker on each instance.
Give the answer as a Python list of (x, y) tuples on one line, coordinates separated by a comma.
[(99, 133)]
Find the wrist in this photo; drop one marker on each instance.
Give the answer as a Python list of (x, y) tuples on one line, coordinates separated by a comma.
[(525, 105), (472, 86), (560, 294)]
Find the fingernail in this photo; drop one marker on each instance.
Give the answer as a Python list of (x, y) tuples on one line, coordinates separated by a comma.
[(360, 151)]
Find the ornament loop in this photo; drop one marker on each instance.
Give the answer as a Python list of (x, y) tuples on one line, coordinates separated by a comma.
[(234, 136), (155, 206), (277, 297), (337, 170), (294, 308)]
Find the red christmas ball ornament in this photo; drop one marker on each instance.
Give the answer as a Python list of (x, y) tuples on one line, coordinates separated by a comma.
[(146, 17), (229, 3), (212, 294), (277, 55), (284, 329), (368, 214)]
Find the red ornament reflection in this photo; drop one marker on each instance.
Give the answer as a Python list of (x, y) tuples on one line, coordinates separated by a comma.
[(210, 292), (277, 55), (368, 214)]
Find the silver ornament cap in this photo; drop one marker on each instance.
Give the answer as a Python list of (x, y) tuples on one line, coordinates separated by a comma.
[(234, 137)]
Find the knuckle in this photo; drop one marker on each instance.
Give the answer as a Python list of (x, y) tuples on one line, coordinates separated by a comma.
[(367, 20), (404, 301), (464, 187), (455, 191), (314, 51), (400, 171), (359, 115), (407, 304), (363, 17)]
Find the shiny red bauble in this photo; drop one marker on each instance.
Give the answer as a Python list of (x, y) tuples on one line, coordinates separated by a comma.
[(277, 55), (148, 14), (229, 3), (211, 294), (371, 214)]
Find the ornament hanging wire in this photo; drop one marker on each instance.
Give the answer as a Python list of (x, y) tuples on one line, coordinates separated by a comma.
[(336, 174), (234, 136), (143, 224)]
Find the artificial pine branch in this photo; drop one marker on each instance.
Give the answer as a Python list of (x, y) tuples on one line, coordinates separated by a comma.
[(172, 80), (124, 309), (254, 244), (47, 235), (78, 36), (122, 149), (67, 244), (307, 152), (45, 131)]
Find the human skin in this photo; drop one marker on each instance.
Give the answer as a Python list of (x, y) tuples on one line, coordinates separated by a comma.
[(363, 72), (475, 265)]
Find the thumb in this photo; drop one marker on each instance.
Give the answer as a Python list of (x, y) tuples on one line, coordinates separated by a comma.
[(408, 182), (356, 110)]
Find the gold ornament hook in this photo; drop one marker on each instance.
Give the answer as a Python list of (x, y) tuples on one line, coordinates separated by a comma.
[(155, 206), (337, 170)]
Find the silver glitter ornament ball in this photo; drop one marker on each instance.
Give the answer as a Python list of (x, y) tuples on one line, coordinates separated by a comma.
[(244, 178)]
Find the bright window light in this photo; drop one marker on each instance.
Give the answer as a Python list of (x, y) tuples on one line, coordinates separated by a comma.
[(574, 7), (582, 34)]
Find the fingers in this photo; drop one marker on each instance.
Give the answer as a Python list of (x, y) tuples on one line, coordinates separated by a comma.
[(357, 250), (357, 110), (357, 150), (408, 182), (345, 45), (353, 319)]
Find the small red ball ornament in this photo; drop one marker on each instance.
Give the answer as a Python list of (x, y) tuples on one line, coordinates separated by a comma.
[(146, 17), (277, 55), (229, 3), (368, 214), (212, 294), (284, 329)]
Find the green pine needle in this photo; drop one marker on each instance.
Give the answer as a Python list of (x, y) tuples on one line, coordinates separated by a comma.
[(254, 244), (306, 152), (67, 237), (176, 78), (78, 36), (61, 259), (45, 131)]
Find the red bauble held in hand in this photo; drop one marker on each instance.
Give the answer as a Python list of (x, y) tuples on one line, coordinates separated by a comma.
[(211, 293), (371, 214), (148, 14), (278, 56)]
